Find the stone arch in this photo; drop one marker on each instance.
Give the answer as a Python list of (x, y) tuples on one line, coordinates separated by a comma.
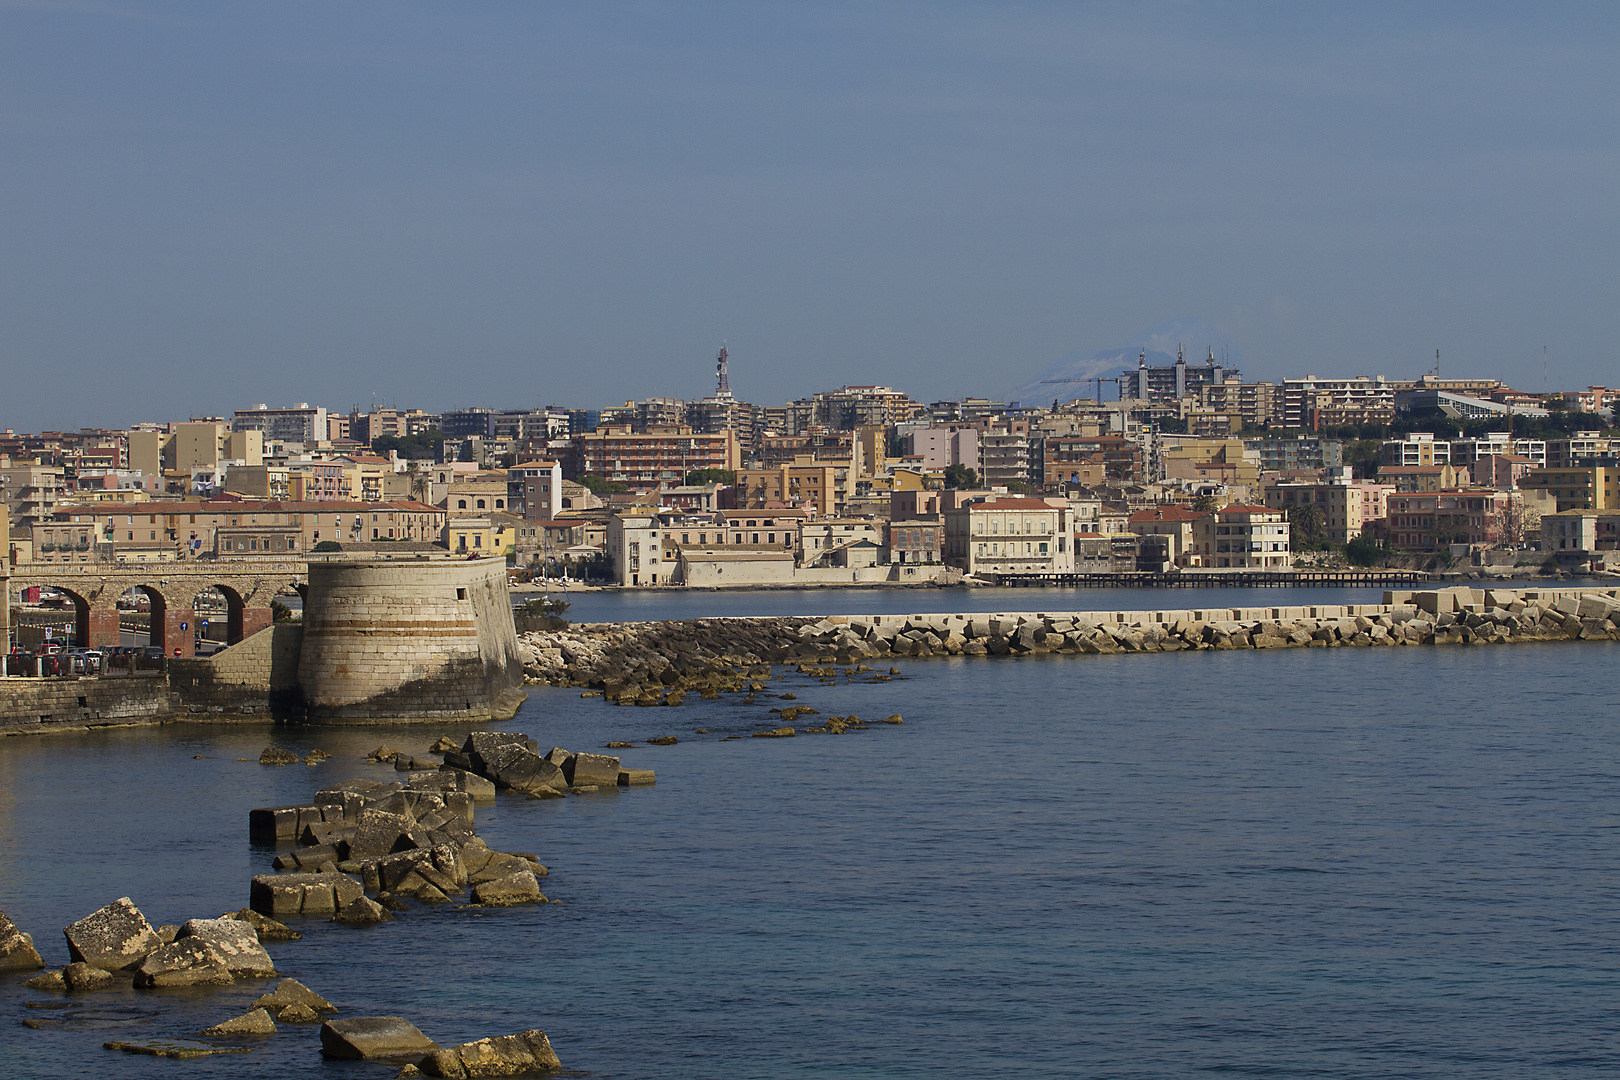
[(157, 624), (233, 603)]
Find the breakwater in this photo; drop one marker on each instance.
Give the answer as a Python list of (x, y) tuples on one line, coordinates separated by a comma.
[(663, 663)]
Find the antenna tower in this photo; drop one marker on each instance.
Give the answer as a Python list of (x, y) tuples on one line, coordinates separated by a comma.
[(722, 382)]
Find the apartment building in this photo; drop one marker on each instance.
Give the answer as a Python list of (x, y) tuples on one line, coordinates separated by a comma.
[(1010, 536), (1175, 523), (1293, 455), (820, 488), (1249, 404), (1591, 487), (1349, 508), (1304, 400), (1072, 459), (534, 489), (1579, 448), (300, 423), (652, 459), (1429, 521), (1172, 382), (1243, 537), (915, 541), (1581, 530)]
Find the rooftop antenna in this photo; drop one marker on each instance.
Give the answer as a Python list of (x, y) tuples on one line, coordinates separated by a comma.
[(723, 383)]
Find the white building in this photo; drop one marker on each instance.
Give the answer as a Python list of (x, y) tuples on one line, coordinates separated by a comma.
[(1010, 536), (634, 550)]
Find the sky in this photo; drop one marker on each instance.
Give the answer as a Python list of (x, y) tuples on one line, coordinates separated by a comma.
[(205, 206)]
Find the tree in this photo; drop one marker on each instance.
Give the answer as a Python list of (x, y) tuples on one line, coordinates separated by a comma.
[(960, 476), (727, 477), (1363, 550), (601, 485), (424, 444), (1305, 527), (328, 545), (421, 483), (1205, 503)]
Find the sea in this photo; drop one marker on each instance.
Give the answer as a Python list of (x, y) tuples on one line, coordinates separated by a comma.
[(1303, 863)]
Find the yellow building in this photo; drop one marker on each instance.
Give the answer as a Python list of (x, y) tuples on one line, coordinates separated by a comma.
[(1595, 487), (470, 536), (1215, 460), (799, 484)]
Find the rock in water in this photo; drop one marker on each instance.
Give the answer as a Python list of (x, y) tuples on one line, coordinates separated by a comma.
[(17, 952), (374, 1038), (114, 938), (236, 942), (267, 928), (362, 911), (519, 888), (79, 977), (505, 1055), (48, 980), (299, 1014), (292, 992), (186, 962), (273, 756), (252, 1022), (174, 1048)]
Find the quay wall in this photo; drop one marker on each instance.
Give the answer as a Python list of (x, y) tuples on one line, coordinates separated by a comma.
[(35, 706)]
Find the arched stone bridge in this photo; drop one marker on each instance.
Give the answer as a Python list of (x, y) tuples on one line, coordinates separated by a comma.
[(248, 588)]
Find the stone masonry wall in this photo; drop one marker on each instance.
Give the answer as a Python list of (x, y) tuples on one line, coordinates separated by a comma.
[(257, 677), (32, 706), (409, 639)]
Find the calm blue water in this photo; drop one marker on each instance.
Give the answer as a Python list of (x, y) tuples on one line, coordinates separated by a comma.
[(1333, 863), (638, 605)]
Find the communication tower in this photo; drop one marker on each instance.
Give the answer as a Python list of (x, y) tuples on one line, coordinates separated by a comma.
[(722, 383)]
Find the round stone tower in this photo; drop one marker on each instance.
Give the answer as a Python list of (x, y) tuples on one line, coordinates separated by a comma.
[(412, 638)]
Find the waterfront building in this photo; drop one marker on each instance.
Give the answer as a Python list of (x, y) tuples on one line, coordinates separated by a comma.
[(1430, 521), (915, 540), (1010, 535), (1349, 508), (634, 551), (1175, 524), (1243, 537), (1583, 531)]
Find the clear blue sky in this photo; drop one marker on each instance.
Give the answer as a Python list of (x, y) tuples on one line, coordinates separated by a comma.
[(207, 205)]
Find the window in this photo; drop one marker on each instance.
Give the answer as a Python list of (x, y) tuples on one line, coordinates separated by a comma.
[(461, 504)]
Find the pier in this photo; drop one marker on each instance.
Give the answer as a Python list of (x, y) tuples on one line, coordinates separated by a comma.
[(1233, 579)]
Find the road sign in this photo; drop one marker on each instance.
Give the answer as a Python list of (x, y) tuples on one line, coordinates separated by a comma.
[(203, 623), (182, 626)]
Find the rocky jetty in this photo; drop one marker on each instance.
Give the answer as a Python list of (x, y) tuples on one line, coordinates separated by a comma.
[(663, 663)]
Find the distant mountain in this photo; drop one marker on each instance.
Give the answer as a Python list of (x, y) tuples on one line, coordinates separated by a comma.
[(1071, 377)]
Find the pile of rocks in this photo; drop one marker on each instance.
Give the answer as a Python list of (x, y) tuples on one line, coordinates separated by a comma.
[(118, 940), (392, 840), (396, 1040), (686, 654), (660, 663)]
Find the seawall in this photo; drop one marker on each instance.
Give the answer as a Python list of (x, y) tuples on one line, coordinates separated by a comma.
[(649, 663)]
